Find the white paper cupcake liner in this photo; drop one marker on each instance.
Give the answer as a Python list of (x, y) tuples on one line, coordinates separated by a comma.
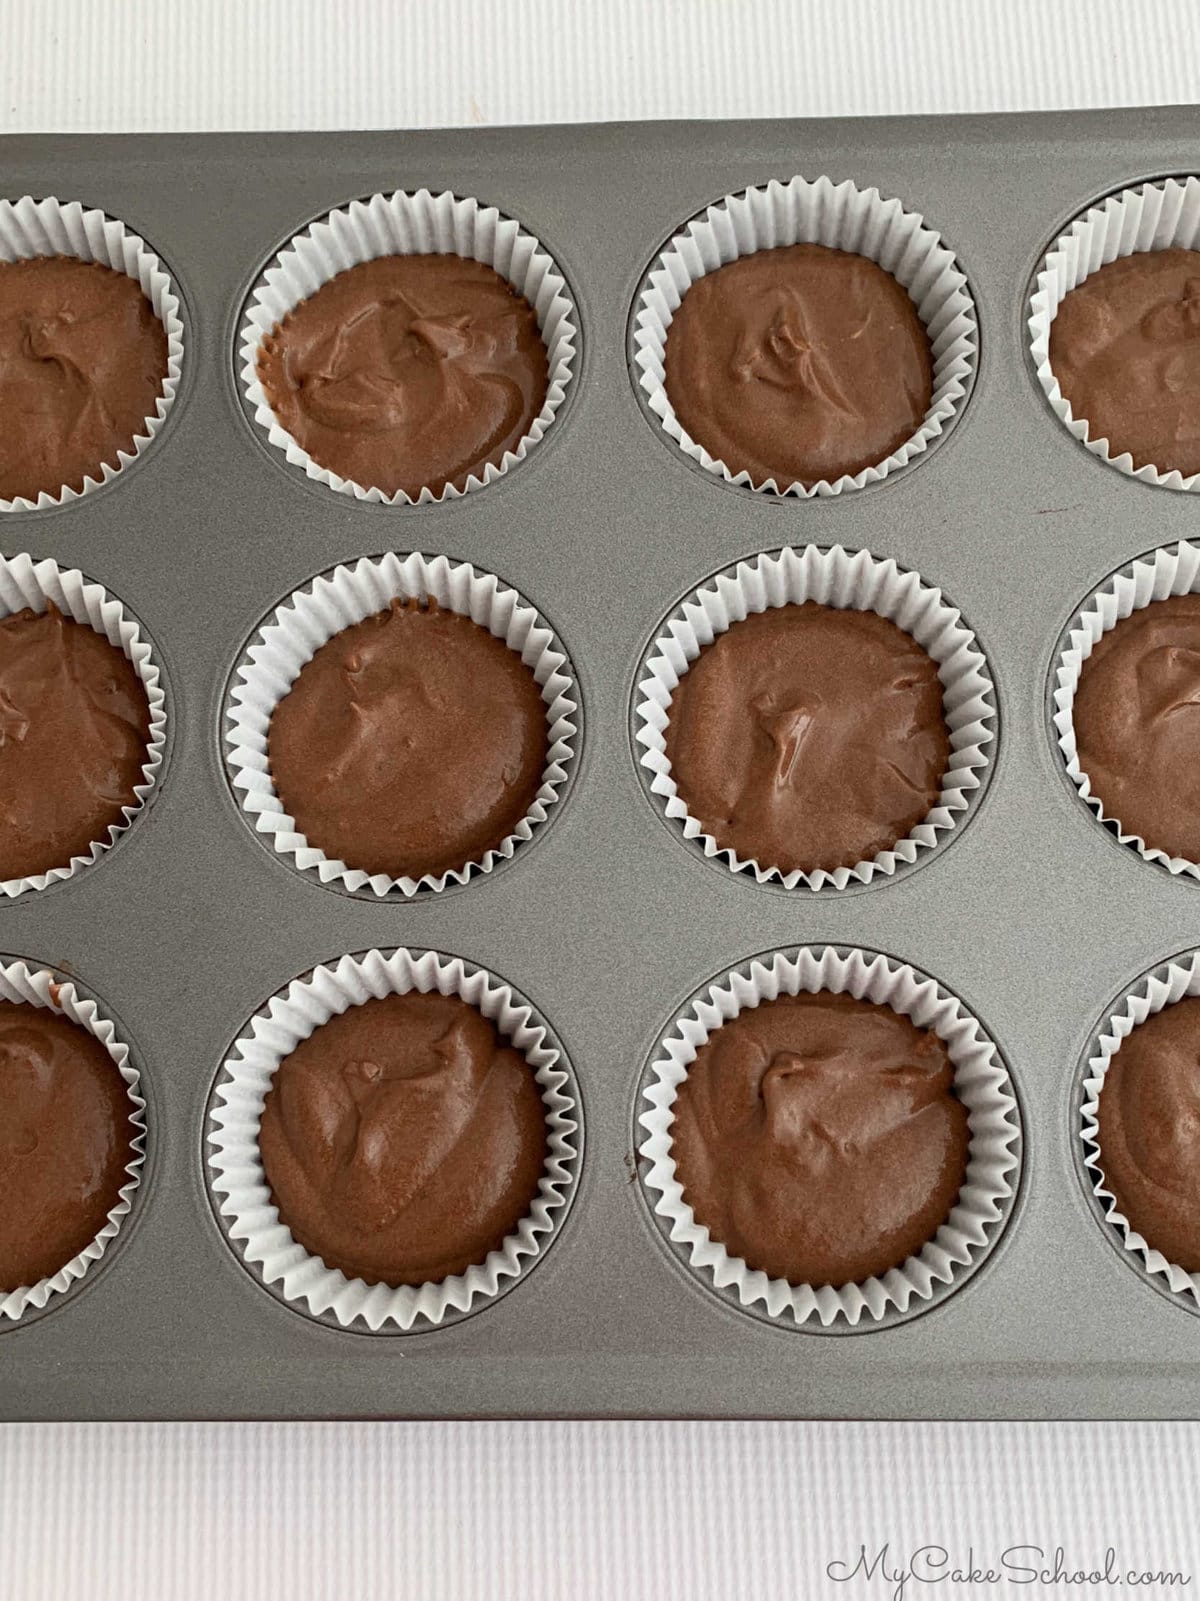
[(52, 227), (249, 1217), (1170, 570), (24, 583), (1149, 994), (38, 987), (981, 1082), (854, 581), (1152, 216), (843, 217), (296, 630), (407, 225)]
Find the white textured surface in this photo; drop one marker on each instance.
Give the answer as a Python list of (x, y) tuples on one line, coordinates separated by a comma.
[(546, 1512), (620, 1511), (123, 65)]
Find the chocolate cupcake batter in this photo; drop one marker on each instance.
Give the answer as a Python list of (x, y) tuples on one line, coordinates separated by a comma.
[(799, 365), (412, 742), (64, 1141), (1149, 1131), (82, 364), (818, 1137), (809, 737), (74, 726), (1137, 724), (403, 1140), (407, 372), (1125, 348)]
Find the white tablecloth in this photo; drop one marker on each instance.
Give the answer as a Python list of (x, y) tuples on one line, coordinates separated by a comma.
[(559, 1511), (540, 1511), (131, 64)]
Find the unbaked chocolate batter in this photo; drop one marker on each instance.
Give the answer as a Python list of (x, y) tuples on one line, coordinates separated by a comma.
[(403, 1140), (82, 363), (1137, 724), (407, 372), (809, 737), (1149, 1131), (819, 1138), (64, 1141), (1125, 348), (798, 364), (411, 743), (74, 725)]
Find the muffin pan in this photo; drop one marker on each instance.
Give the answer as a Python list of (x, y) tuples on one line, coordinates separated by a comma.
[(1031, 914)]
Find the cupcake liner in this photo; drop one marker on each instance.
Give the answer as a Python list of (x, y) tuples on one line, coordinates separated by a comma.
[(245, 1210), (1152, 216), (25, 582), (1170, 570), (52, 227), (854, 581), (843, 217), (39, 987), (297, 629), (981, 1082), (405, 225), (1149, 994)]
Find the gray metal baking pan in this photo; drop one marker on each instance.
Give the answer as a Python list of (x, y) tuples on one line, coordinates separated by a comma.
[(1034, 916)]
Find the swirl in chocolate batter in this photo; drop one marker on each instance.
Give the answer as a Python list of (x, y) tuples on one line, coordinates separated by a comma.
[(1125, 348), (74, 725), (407, 372), (64, 1142), (413, 742), (403, 1140), (1149, 1131), (82, 364), (798, 364), (809, 737), (819, 1139), (1137, 724)]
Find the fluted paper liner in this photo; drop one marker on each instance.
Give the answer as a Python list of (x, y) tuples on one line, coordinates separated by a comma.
[(309, 618), (1152, 216), (24, 583), (842, 217), (854, 581), (1170, 570), (36, 986), (52, 227), (406, 225), (981, 1082), (1149, 994), (235, 1170)]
